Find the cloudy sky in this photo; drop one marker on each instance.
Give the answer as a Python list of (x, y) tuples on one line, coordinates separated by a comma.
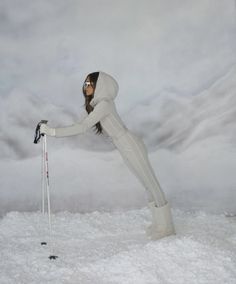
[(174, 62), (150, 47), (48, 47)]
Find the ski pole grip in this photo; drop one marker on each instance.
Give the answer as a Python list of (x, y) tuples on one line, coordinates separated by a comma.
[(41, 122), (37, 131)]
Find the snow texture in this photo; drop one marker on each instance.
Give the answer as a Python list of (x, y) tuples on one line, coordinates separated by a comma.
[(103, 247)]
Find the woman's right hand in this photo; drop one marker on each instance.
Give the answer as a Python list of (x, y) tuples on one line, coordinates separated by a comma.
[(44, 129)]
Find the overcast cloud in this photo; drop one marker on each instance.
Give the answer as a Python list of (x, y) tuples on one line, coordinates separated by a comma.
[(175, 64)]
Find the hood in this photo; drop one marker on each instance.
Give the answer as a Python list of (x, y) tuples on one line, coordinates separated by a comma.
[(106, 88)]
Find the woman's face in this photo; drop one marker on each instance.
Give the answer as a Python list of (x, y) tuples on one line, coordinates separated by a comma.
[(88, 87)]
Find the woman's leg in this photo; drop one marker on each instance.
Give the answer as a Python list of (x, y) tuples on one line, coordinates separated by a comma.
[(134, 153)]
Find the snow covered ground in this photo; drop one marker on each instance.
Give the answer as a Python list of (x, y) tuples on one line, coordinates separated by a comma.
[(103, 247), (109, 245)]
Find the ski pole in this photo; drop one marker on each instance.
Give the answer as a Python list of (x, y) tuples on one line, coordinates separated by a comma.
[(45, 180), (46, 172)]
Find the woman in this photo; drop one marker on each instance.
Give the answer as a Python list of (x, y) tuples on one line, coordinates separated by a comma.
[(100, 90)]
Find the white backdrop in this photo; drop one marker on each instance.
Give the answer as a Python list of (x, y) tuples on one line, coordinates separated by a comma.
[(175, 64)]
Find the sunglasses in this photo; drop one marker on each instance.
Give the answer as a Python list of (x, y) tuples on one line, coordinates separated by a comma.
[(87, 84)]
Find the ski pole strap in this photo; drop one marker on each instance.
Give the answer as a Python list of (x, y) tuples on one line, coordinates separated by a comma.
[(38, 135)]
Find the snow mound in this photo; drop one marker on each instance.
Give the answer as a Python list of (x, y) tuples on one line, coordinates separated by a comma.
[(113, 248)]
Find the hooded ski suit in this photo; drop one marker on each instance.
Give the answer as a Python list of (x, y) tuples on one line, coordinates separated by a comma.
[(130, 146)]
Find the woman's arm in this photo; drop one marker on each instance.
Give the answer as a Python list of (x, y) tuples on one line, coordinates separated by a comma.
[(101, 110)]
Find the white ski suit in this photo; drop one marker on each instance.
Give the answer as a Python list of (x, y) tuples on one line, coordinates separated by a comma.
[(131, 148)]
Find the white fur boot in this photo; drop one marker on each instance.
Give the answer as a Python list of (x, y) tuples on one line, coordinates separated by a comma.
[(162, 224)]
